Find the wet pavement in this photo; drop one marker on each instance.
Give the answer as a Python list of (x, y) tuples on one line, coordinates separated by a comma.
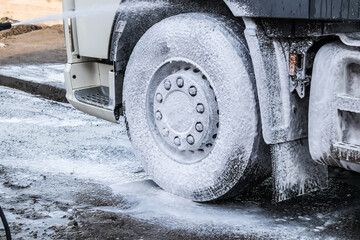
[(45, 80), (67, 175)]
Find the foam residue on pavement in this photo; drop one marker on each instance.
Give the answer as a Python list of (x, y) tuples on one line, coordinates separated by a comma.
[(49, 74)]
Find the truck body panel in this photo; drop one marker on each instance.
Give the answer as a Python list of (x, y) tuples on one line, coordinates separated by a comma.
[(296, 9), (94, 26)]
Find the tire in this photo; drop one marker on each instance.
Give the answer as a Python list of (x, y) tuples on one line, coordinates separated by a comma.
[(210, 55)]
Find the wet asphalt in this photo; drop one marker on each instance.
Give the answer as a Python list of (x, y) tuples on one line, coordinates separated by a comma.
[(67, 175)]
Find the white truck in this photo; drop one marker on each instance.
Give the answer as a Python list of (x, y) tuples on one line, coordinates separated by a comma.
[(219, 95)]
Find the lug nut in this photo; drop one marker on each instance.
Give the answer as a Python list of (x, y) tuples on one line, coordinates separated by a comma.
[(190, 139), (167, 85), (165, 132), (193, 91), (180, 82), (158, 115), (159, 98), (199, 127), (177, 141), (200, 108)]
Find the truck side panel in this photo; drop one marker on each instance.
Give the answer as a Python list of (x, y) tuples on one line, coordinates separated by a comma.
[(269, 8), (334, 9), (94, 29), (296, 9)]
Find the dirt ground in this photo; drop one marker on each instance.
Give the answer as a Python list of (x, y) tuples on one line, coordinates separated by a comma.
[(32, 44)]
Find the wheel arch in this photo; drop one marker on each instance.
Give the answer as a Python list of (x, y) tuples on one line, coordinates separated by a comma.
[(127, 31)]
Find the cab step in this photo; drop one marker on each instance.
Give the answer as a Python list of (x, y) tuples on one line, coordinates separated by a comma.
[(106, 97), (95, 96)]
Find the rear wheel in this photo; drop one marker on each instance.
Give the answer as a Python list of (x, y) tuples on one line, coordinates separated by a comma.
[(191, 108)]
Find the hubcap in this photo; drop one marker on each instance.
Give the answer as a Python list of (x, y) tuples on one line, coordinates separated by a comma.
[(183, 112)]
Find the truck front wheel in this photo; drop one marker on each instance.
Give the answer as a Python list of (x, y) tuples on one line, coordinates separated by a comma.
[(191, 108)]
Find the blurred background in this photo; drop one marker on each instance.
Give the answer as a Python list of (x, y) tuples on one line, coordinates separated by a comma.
[(24, 9), (31, 44)]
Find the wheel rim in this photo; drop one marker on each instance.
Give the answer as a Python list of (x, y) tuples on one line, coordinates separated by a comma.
[(183, 112)]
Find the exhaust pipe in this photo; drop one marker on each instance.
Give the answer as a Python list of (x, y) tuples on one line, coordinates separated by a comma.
[(5, 26)]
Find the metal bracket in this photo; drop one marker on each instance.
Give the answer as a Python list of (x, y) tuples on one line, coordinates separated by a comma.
[(298, 64), (299, 85)]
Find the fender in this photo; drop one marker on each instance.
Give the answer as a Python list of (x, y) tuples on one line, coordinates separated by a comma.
[(133, 20)]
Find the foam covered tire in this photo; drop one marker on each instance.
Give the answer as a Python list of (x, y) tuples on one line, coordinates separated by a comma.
[(215, 48)]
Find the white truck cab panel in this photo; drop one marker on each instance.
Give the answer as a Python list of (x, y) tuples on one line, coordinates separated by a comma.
[(94, 26)]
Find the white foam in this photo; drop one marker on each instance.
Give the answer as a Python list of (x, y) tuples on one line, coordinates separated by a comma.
[(51, 74)]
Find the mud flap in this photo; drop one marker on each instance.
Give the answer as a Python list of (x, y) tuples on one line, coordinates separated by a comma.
[(294, 172)]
